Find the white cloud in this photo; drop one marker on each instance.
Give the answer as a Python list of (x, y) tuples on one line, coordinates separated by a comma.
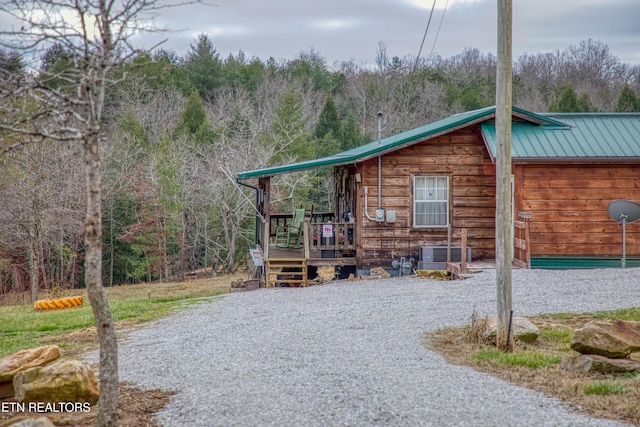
[(342, 30), (227, 31), (332, 24), (439, 4)]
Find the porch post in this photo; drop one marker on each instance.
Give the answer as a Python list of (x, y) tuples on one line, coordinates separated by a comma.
[(265, 184)]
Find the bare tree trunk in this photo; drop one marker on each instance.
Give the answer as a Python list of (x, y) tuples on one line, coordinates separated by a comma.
[(165, 257), (162, 248), (225, 232), (111, 249), (206, 245), (216, 255), (231, 247), (111, 241), (15, 279), (108, 402), (72, 274), (61, 274), (98, 40), (41, 259), (183, 245), (34, 264)]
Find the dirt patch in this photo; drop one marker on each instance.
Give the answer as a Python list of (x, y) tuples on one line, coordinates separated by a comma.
[(460, 346), (135, 409), (79, 341), (84, 336)]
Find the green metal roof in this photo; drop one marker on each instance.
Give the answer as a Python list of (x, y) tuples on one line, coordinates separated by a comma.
[(535, 135), (584, 136), (373, 149)]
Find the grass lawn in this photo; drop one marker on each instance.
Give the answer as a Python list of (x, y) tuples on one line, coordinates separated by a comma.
[(73, 330), (22, 327), (535, 365)]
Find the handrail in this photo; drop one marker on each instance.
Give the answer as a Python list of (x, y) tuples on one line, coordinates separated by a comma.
[(522, 240), (282, 219), (305, 237), (343, 237), (342, 243)]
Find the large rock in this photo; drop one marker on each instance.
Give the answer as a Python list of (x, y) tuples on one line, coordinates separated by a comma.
[(378, 273), (31, 422), (62, 381), (612, 338), (521, 329), (602, 364), (25, 359)]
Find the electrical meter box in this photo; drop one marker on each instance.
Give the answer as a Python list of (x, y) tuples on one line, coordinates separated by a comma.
[(391, 216)]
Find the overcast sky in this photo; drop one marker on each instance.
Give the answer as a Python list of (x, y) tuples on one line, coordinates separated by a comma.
[(351, 29), (341, 30)]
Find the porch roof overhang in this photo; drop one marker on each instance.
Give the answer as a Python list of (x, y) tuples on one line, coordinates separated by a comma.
[(394, 142)]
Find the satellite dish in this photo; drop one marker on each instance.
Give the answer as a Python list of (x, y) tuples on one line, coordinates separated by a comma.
[(624, 209), (624, 212)]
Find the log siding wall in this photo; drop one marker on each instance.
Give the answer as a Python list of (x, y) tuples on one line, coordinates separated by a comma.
[(462, 156), (568, 205)]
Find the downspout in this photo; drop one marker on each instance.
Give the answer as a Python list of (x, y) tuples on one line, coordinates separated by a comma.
[(379, 216), (257, 230), (379, 161)]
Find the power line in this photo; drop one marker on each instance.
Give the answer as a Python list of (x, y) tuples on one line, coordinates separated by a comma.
[(439, 26), (425, 34)]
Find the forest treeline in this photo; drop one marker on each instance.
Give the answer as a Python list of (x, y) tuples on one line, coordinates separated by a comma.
[(179, 128)]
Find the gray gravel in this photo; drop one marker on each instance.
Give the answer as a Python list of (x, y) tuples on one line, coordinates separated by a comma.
[(351, 353)]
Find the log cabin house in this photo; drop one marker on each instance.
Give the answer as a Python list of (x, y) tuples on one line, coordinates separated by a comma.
[(408, 196)]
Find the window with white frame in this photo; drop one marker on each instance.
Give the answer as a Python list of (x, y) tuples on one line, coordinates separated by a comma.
[(430, 201)]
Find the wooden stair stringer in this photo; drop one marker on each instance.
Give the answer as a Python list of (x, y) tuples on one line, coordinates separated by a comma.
[(295, 274)]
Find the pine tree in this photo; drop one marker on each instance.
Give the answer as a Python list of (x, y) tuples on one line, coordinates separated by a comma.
[(193, 114), (289, 138), (193, 121), (628, 101), (350, 135), (204, 67), (569, 102), (328, 122), (11, 62)]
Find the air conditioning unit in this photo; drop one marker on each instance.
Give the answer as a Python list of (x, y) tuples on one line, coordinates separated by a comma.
[(435, 257)]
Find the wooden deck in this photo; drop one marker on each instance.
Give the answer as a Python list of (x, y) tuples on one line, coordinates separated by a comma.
[(318, 257), (317, 250), (336, 248), (323, 244), (289, 267)]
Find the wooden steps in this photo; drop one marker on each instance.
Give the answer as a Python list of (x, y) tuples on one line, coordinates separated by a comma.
[(289, 271)]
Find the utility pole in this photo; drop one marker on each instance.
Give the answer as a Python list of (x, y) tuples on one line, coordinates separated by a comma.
[(504, 237)]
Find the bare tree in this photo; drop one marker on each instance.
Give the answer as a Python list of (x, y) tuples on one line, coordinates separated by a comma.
[(42, 199), (97, 34), (237, 148)]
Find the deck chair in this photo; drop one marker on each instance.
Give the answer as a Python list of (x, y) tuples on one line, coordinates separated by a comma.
[(290, 236)]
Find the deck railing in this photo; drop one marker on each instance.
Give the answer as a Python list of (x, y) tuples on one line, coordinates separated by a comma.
[(331, 239), (283, 219), (522, 240), (323, 238)]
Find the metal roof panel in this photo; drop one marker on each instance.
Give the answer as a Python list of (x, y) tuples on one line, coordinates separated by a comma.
[(587, 135), (543, 136), (374, 148)]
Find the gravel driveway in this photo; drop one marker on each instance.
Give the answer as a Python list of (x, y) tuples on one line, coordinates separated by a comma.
[(351, 353)]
